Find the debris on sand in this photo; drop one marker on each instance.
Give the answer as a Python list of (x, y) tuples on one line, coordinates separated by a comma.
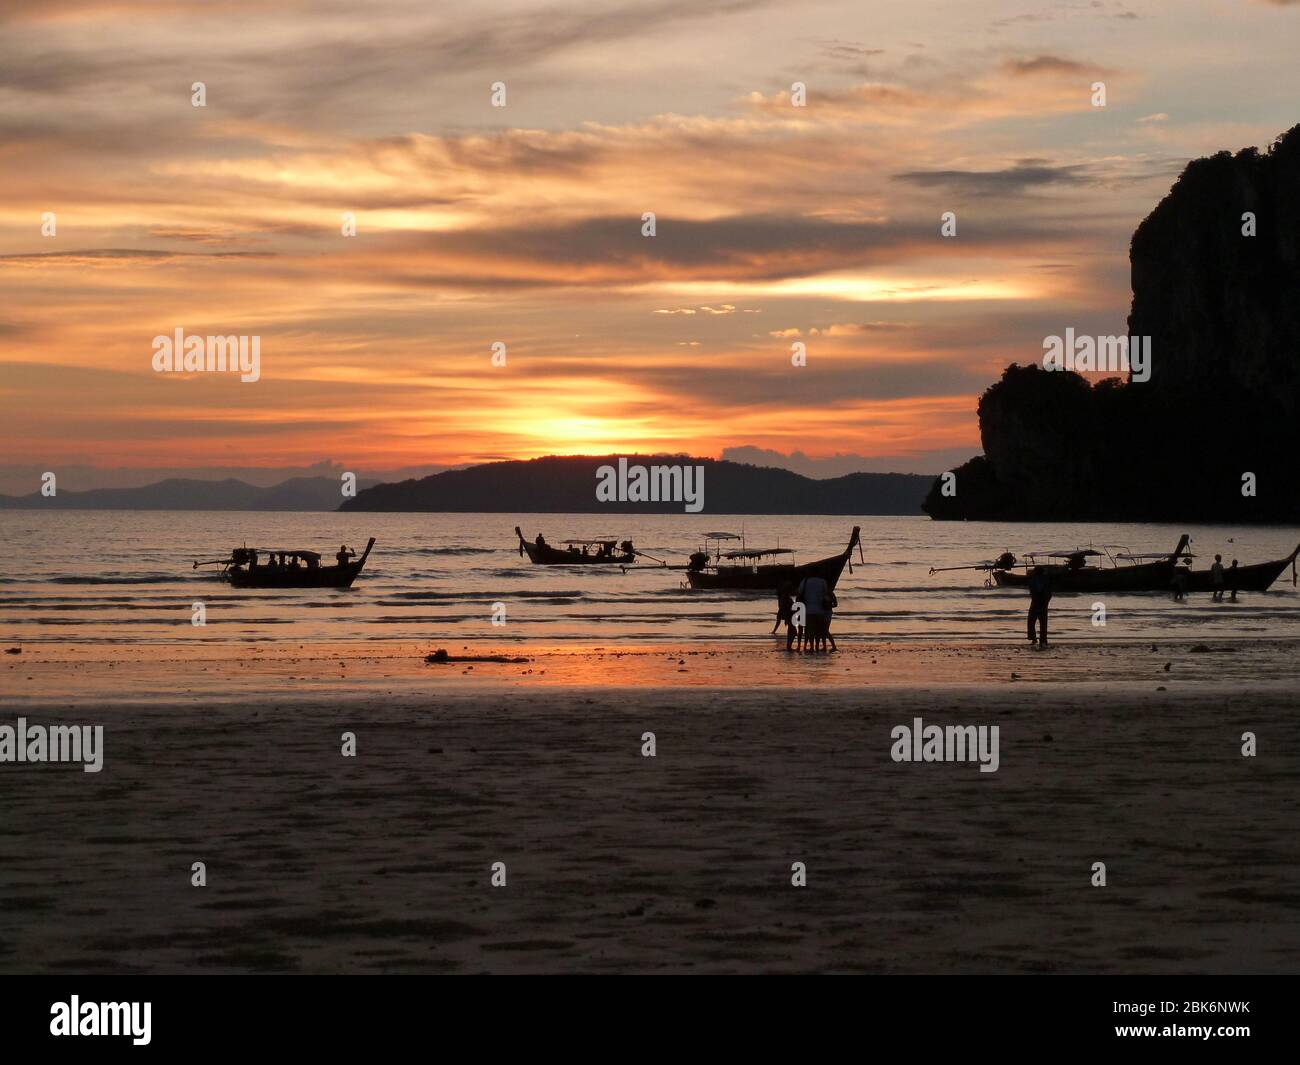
[(441, 657)]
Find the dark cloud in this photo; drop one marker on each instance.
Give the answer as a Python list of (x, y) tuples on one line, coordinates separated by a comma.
[(1046, 64), (1024, 175), (750, 247), (846, 52), (829, 385)]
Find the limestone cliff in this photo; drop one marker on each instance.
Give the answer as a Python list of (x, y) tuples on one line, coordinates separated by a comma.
[(1223, 312)]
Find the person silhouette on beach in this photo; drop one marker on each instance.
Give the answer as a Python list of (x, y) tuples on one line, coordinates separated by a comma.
[(785, 613), (815, 595), (1232, 579), (1182, 577), (1216, 578), (1040, 594), (784, 606)]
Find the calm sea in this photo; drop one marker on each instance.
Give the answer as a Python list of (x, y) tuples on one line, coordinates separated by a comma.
[(103, 577)]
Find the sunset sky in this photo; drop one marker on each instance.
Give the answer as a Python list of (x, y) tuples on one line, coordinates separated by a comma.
[(522, 224)]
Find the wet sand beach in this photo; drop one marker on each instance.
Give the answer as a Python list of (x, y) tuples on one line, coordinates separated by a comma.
[(681, 862), (101, 674)]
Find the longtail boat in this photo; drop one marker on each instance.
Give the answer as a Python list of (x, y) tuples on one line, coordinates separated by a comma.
[(1254, 578), (1073, 571), (577, 552), (247, 568), (745, 568)]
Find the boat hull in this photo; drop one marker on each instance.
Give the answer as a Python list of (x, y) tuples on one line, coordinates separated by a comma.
[(325, 577), (1155, 576), (546, 555), (303, 578), (766, 578), (1148, 577), (770, 578), (1256, 578), (553, 556)]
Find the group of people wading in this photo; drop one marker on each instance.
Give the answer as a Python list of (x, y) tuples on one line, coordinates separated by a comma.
[(806, 612), (1221, 580)]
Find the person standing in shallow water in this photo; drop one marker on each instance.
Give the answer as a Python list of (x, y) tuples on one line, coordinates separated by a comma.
[(785, 613), (1232, 579), (1040, 594), (814, 593), (1216, 579)]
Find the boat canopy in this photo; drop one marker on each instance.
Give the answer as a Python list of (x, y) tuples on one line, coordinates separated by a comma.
[(721, 536), (1082, 553), (754, 552), (1150, 556), (603, 540), (288, 551)]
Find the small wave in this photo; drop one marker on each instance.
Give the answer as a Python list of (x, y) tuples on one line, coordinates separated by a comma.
[(144, 578), (454, 550)]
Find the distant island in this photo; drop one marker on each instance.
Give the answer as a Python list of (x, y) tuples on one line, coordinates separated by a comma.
[(184, 493), (567, 484), (1214, 435)]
